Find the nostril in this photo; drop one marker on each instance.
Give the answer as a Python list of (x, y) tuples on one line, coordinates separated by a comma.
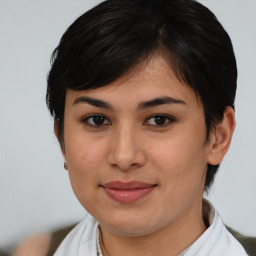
[(131, 165), (115, 165)]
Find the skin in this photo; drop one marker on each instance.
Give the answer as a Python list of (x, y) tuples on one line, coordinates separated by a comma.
[(36, 245), (130, 145)]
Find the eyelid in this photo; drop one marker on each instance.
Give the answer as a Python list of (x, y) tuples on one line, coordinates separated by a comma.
[(87, 117), (170, 119)]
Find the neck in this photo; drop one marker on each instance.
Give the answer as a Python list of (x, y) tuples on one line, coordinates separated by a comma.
[(170, 240)]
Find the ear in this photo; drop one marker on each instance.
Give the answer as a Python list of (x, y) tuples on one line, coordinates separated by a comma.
[(61, 141), (221, 136)]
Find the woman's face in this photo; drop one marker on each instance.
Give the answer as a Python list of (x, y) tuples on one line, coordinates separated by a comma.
[(136, 151)]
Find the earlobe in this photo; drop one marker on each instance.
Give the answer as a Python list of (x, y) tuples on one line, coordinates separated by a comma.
[(221, 137), (61, 142)]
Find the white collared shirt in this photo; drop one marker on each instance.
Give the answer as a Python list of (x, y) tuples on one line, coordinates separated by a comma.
[(215, 241)]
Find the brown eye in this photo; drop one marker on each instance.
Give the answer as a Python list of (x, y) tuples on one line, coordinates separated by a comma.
[(96, 120), (159, 120)]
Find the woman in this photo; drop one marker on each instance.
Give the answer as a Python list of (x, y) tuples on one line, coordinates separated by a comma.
[(142, 94)]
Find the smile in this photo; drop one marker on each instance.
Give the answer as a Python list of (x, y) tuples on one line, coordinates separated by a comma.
[(127, 192)]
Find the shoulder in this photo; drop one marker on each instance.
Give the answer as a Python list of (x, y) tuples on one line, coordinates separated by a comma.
[(81, 240), (34, 245), (216, 240), (249, 243)]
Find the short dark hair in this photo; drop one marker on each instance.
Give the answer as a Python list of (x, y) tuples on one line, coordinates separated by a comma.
[(117, 35)]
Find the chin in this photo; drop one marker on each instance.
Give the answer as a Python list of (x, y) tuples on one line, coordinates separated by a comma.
[(129, 227)]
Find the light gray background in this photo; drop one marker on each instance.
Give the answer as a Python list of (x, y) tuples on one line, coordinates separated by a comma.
[(35, 194)]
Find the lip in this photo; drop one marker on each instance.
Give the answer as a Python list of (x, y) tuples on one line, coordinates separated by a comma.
[(127, 192)]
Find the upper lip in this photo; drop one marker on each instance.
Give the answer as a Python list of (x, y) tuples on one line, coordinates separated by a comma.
[(120, 185)]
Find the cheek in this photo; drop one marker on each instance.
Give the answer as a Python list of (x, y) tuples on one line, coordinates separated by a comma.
[(182, 175), (177, 153), (85, 162), (85, 158), (182, 162), (82, 149)]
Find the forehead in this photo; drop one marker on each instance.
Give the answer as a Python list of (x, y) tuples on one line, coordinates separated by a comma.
[(154, 78)]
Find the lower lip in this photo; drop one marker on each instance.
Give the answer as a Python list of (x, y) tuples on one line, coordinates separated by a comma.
[(128, 196)]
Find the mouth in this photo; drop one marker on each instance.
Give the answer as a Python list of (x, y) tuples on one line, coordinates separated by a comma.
[(127, 192)]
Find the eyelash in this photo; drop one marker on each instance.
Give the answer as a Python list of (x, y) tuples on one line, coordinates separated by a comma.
[(168, 120), (87, 118)]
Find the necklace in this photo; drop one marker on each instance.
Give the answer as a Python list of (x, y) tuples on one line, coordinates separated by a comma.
[(101, 247)]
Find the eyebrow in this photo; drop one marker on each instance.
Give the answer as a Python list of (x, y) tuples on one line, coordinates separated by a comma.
[(143, 105), (93, 102), (160, 101)]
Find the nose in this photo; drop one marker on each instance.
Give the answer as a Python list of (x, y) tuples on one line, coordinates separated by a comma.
[(126, 149)]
